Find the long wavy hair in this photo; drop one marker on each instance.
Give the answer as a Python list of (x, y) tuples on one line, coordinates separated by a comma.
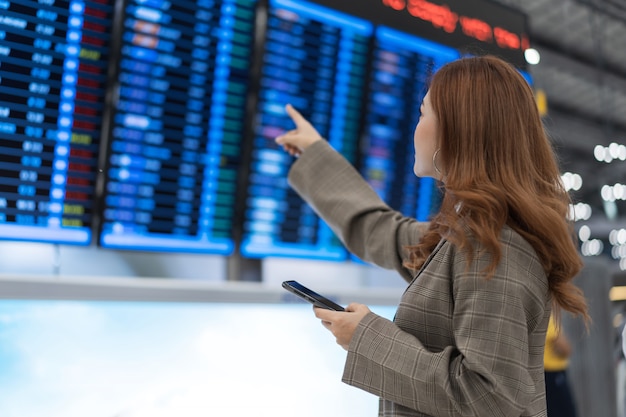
[(499, 168)]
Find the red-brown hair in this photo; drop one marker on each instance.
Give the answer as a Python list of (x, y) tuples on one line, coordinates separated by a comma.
[(499, 168)]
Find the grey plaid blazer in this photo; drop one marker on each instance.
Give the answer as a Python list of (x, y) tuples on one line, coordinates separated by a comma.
[(459, 345)]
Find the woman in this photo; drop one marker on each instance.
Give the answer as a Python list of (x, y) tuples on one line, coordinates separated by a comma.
[(483, 274)]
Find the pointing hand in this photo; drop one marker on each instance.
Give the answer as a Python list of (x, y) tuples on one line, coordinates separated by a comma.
[(297, 140)]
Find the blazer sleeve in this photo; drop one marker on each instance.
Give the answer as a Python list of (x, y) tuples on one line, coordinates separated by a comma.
[(367, 226)]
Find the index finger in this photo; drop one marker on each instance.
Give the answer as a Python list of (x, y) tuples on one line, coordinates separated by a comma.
[(295, 115)]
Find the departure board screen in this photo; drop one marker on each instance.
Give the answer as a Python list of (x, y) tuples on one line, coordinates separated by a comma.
[(177, 129), (53, 71), (316, 59), (401, 67)]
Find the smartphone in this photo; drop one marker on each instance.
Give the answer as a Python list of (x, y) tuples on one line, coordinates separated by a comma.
[(311, 296)]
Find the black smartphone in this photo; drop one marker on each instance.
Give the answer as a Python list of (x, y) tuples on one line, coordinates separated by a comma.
[(311, 296)]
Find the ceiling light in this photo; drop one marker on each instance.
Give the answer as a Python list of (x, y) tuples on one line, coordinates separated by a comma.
[(607, 193), (582, 211), (571, 181), (618, 252), (532, 56), (599, 152), (584, 233), (593, 247), (614, 150), (610, 153)]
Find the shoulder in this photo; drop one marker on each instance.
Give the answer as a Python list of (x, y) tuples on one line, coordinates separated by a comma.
[(519, 265), (517, 252)]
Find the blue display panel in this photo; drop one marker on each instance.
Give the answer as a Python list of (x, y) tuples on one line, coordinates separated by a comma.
[(53, 70), (316, 59), (401, 67), (177, 131)]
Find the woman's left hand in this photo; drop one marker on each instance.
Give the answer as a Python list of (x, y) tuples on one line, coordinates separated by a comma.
[(342, 324)]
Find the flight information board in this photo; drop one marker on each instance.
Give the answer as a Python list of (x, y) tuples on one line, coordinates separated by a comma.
[(53, 71), (316, 59), (402, 65), (177, 128)]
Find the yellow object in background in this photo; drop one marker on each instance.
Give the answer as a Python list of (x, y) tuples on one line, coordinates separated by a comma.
[(542, 101), (553, 359)]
